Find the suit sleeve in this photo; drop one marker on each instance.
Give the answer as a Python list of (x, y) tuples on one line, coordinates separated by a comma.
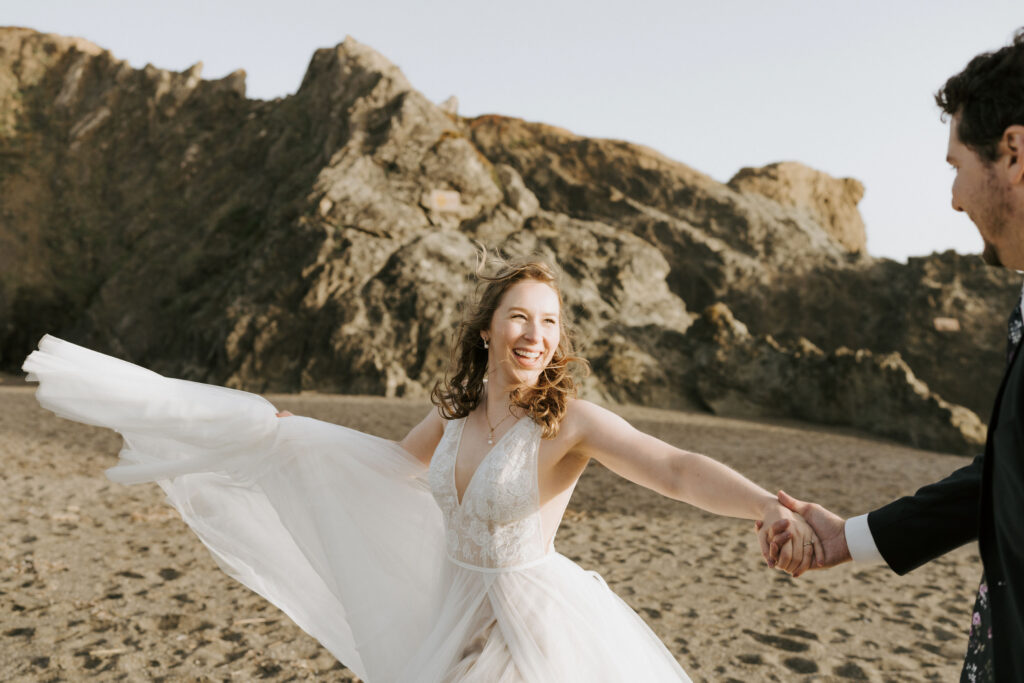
[(938, 518)]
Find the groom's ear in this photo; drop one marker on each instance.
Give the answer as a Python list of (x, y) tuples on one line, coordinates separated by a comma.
[(1011, 145)]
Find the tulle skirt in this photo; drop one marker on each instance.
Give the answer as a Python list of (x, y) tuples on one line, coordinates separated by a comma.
[(340, 531)]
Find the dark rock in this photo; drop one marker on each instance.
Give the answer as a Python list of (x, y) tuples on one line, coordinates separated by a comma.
[(782, 246), (888, 307), (738, 374), (324, 241)]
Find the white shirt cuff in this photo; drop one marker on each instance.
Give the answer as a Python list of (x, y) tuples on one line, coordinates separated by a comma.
[(860, 541)]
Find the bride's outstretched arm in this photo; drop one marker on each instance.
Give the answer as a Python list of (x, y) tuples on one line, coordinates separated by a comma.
[(689, 477)]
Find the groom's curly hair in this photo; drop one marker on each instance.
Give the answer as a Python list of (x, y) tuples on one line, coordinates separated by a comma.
[(462, 388), (987, 97)]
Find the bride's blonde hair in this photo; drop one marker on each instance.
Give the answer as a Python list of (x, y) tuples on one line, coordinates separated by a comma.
[(462, 388)]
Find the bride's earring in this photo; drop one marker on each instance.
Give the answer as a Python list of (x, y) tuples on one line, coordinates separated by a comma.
[(486, 346)]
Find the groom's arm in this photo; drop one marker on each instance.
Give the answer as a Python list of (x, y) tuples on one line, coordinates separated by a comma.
[(905, 534), (916, 529)]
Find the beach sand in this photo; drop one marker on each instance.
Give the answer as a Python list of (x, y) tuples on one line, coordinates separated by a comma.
[(103, 581)]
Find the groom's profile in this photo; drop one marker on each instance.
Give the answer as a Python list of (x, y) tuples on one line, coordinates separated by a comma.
[(984, 500)]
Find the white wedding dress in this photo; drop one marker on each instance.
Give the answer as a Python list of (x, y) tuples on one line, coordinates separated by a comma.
[(362, 546)]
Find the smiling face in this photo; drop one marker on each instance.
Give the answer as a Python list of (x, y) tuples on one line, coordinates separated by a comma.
[(523, 334), (978, 191)]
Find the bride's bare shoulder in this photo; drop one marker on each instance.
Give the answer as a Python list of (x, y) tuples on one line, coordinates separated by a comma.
[(582, 411), (582, 416), (592, 425)]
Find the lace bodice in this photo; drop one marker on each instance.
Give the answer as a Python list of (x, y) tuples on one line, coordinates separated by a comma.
[(498, 524)]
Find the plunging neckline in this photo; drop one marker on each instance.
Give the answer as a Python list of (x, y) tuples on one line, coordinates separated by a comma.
[(455, 462)]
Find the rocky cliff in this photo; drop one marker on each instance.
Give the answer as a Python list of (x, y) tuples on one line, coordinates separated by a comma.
[(324, 241)]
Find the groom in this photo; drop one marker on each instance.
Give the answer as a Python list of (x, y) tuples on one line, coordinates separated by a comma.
[(984, 500)]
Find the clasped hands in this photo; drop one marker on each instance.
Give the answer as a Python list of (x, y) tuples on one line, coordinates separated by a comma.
[(797, 536)]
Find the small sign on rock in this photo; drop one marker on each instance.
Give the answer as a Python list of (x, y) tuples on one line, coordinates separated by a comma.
[(445, 201)]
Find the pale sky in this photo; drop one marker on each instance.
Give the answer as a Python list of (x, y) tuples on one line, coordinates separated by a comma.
[(844, 87)]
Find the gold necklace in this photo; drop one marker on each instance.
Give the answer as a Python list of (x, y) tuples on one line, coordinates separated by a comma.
[(490, 438)]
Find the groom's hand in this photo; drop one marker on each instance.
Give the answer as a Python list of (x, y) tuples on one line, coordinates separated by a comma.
[(828, 526)]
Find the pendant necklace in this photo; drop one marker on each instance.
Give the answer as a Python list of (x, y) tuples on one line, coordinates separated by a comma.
[(490, 438)]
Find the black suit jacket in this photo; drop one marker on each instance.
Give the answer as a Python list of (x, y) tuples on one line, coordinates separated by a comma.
[(984, 501)]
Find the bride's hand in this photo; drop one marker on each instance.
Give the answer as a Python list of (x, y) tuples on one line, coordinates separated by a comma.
[(796, 555), (285, 413)]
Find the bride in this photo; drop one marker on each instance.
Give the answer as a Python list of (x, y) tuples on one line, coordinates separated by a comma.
[(431, 559)]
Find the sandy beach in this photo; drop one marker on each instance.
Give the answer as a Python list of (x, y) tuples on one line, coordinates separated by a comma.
[(102, 581)]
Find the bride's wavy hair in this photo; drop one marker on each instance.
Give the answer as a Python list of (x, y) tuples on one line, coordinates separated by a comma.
[(462, 388)]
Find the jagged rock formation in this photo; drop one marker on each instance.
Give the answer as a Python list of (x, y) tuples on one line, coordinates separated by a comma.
[(717, 239), (831, 202), (889, 307), (738, 374), (324, 241), (782, 247)]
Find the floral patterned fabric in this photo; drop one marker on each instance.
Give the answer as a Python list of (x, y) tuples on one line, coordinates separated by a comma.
[(1015, 328), (978, 666)]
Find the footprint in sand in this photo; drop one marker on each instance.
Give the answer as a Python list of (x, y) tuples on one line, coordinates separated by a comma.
[(850, 671), (800, 665), (169, 574), (778, 642)]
